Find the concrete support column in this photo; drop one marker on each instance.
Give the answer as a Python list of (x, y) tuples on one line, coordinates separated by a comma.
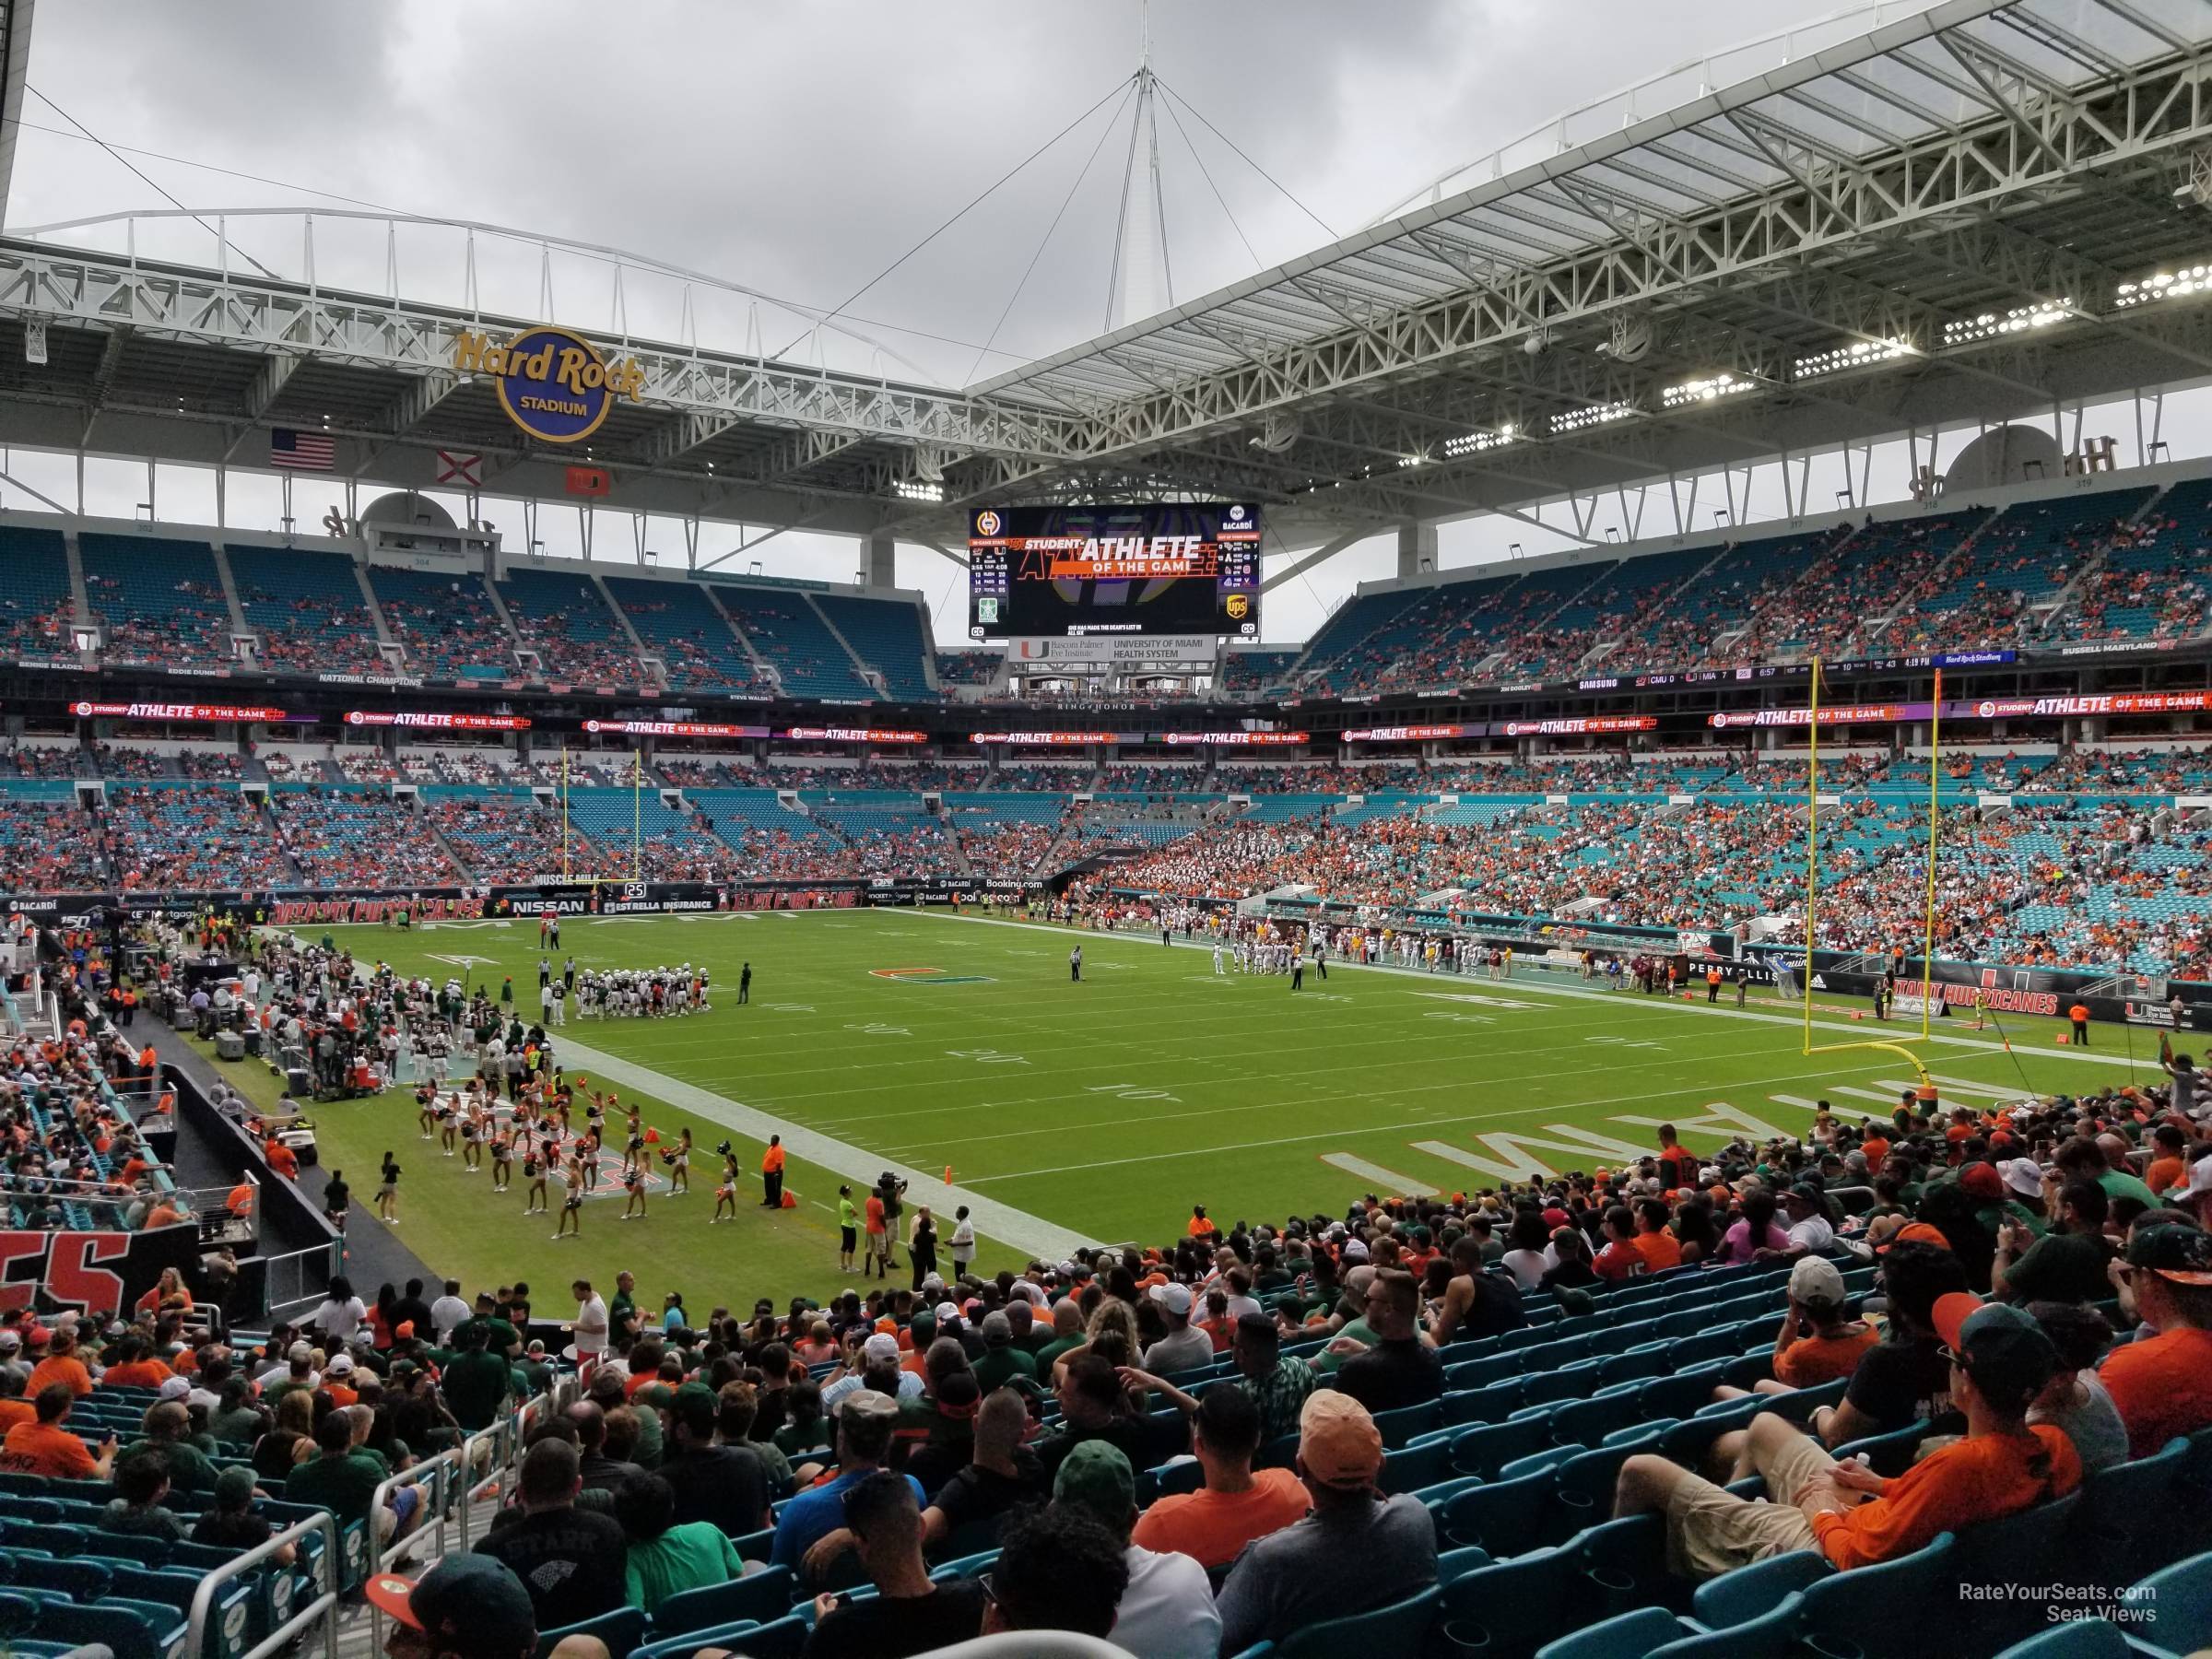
[(879, 560), (1417, 551)]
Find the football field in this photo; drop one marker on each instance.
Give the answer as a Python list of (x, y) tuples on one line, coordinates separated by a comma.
[(1101, 1111)]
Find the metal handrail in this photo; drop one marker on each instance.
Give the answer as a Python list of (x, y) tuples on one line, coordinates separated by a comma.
[(323, 1606), (431, 1473)]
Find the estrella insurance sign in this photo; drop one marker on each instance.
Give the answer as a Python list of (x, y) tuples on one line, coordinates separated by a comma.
[(553, 384)]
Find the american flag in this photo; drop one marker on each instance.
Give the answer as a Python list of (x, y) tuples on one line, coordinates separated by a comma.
[(314, 452)]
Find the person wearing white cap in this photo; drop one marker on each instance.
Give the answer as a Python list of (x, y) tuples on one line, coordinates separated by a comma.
[(879, 1353), (1184, 1348)]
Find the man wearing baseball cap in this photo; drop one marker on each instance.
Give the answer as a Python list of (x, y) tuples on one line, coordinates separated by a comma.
[(469, 1607), (1357, 1551), (1183, 1347), (1166, 1607), (2000, 1361), (2163, 1385), (864, 1421)]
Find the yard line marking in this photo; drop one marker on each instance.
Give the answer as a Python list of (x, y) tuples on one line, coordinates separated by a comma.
[(1031, 1235), (1389, 1181), (1866, 1094), (1961, 1086), (1482, 1117), (1542, 988)]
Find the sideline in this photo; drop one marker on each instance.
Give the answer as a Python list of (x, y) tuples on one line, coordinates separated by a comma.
[(1030, 1235), (1614, 998)]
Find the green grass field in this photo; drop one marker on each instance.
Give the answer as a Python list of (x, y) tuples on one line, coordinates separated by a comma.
[(1102, 1110)]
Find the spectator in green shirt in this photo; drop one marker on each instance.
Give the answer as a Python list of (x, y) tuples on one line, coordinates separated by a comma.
[(1067, 1332), (1001, 1361), (342, 1479), (478, 1381), (533, 1372), (166, 1433), (2100, 1162), (664, 1559)]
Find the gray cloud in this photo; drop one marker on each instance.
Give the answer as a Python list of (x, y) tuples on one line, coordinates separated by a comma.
[(798, 149)]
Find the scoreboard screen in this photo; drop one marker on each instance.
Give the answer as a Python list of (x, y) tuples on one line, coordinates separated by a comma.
[(1157, 569)]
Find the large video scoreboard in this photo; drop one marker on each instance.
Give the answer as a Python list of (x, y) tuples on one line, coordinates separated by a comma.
[(1158, 568)]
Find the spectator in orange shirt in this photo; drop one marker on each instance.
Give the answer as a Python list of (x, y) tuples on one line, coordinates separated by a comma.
[(2163, 1385), (338, 1380), (1661, 1249), (281, 1158), (2170, 1163), (2000, 1361), (1620, 1257), (14, 1408), (136, 1366), (45, 1446), (61, 1366), (1237, 1503), (1200, 1227)]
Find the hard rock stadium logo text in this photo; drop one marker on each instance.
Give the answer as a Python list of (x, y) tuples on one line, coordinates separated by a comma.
[(553, 384)]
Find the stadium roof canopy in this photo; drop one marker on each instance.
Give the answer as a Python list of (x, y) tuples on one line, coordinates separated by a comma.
[(1981, 211)]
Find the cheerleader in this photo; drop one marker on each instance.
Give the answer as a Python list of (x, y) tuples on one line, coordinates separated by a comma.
[(726, 1195), (472, 1142), (633, 1143), (502, 1160), (534, 1171), (445, 1110), (426, 1103), (587, 1154), (634, 1181), (571, 1205)]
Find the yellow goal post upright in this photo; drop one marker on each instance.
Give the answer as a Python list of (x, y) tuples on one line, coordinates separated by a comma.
[(1812, 883)]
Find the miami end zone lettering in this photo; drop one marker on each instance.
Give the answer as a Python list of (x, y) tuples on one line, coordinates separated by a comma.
[(64, 1267)]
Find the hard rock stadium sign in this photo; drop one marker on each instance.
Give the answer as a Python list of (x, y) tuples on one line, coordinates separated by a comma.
[(553, 384)]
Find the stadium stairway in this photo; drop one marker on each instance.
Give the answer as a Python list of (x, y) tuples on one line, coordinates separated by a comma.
[(2045, 622), (223, 574), (79, 600), (384, 636), (870, 677), (760, 669)]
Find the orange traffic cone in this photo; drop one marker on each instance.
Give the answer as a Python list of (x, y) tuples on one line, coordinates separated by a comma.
[(948, 1174), (791, 1200), (652, 1136), (1857, 1014), (2065, 1037)]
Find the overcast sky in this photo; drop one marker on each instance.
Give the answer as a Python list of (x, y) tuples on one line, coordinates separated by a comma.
[(799, 149)]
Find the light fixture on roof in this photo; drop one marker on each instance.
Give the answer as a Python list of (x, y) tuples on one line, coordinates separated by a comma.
[(916, 490), (1858, 354), (1474, 443), (1710, 388), (2183, 283), (2019, 319), (1576, 421)]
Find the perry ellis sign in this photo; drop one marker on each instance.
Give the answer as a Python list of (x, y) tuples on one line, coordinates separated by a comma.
[(553, 384)]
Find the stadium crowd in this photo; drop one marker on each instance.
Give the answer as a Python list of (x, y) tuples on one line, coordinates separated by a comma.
[(1218, 1437)]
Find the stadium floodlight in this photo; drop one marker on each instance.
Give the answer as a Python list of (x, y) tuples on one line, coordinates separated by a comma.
[(1576, 421), (1710, 388), (1474, 443), (2181, 284), (914, 489), (1858, 354), (2019, 319)]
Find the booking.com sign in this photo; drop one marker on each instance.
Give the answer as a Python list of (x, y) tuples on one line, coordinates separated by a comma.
[(553, 384)]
